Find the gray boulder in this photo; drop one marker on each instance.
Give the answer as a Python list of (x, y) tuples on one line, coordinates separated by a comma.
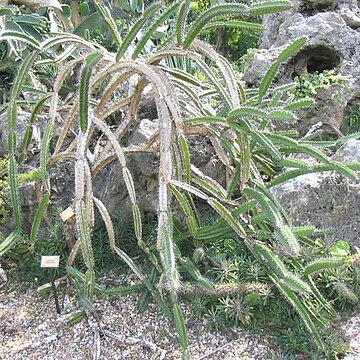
[(110, 186), (326, 200), (331, 28)]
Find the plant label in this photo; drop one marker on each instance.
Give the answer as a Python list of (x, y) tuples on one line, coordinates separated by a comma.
[(67, 214), (50, 261)]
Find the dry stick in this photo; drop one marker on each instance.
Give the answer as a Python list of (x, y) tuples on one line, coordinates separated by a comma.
[(134, 102), (71, 147), (3, 277), (64, 131), (96, 342), (73, 253), (119, 132), (102, 114), (140, 86), (100, 164), (146, 148), (115, 107), (61, 156), (111, 89), (134, 341), (156, 58)]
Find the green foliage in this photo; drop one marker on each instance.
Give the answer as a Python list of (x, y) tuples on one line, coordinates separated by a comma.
[(229, 261), (310, 84), (27, 255), (351, 122)]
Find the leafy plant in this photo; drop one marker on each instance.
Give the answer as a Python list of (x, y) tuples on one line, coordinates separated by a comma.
[(310, 84), (240, 126), (351, 123)]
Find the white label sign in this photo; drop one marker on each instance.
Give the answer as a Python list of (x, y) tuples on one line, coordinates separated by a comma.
[(50, 261), (67, 214)]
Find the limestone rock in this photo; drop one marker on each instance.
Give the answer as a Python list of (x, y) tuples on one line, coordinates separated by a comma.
[(326, 200), (21, 124), (110, 187), (351, 18), (331, 28)]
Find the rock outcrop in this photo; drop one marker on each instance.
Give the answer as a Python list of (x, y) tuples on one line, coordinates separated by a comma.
[(333, 32), (326, 200)]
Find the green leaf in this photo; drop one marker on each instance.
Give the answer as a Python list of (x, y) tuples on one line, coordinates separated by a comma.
[(191, 189), (234, 184), (187, 208), (84, 234), (84, 9), (137, 222), (20, 36), (195, 273), (180, 326), (281, 115), (153, 27), (267, 144), (288, 239), (38, 217), (272, 211), (302, 311), (205, 120), (300, 104), (209, 185), (90, 284), (292, 49), (340, 248), (217, 11), (228, 217), (28, 132), (76, 317), (129, 185), (90, 61), (295, 283), (14, 190), (181, 20), (166, 250), (269, 7), (93, 21), (272, 259), (23, 72), (9, 242), (45, 148), (322, 264), (215, 81), (346, 292), (235, 24), (134, 30), (185, 154), (247, 111), (146, 282), (109, 21), (268, 79), (219, 230)]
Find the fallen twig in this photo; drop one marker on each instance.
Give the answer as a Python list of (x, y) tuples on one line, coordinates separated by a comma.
[(134, 341)]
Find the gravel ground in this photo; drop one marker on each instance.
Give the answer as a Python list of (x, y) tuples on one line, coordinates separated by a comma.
[(351, 328), (30, 328)]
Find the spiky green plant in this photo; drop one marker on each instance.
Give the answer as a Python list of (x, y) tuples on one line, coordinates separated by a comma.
[(241, 132)]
